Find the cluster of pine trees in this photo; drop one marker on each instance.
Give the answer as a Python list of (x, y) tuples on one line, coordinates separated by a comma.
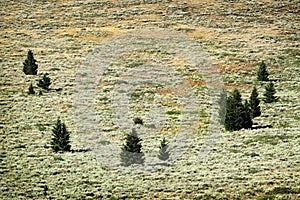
[(240, 115), (61, 136), (132, 148)]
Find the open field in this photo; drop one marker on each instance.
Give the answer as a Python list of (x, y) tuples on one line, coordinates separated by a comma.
[(164, 83)]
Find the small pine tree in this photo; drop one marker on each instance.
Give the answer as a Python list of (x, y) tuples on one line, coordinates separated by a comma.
[(61, 137), (163, 152), (132, 150), (247, 116), (30, 89), (254, 104), (262, 74), (29, 65), (269, 95), (45, 82), (237, 114)]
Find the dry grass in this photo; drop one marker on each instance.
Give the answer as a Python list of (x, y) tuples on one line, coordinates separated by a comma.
[(237, 35)]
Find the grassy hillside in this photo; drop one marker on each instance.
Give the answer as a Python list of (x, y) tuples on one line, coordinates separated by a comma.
[(139, 47)]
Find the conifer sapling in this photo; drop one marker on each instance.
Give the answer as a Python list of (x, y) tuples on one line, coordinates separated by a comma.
[(61, 137), (254, 104), (269, 95), (45, 82), (262, 74), (30, 89), (163, 150), (29, 65), (132, 150)]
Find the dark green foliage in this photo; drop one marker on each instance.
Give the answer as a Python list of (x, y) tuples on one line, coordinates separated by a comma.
[(138, 120), (30, 89), (237, 114), (254, 104), (29, 65), (132, 150), (61, 137), (45, 82), (269, 95), (262, 74), (163, 150)]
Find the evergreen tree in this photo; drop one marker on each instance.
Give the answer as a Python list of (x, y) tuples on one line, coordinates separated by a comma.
[(254, 104), (30, 89), (61, 137), (237, 114), (269, 93), (132, 150), (163, 152), (45, 82), (29, 65), (247, 116), (262, 74)]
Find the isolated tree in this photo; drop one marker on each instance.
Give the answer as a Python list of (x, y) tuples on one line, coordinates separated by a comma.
[(132, 150), (262, 73), (30, 89), (269, 95), (29, 65), (237, 114), (61, 137), (254, 104), (163, 150), (45, 82), (247, 116)]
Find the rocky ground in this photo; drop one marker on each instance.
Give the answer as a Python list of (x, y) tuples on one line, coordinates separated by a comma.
[(166, 62)]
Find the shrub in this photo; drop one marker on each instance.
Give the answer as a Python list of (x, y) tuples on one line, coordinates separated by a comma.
[(163, 152), (269, 95), (237, 114), (262, 74), (61, 137), (45, 82), (132, 150), (30, 89), (254, 104), (29, 65), (138, 120)]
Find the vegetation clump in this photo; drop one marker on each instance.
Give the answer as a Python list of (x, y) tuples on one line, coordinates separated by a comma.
[(138, 120), (29, 65), (45, 82), (61, 137), (237, 114), (163, 150), (132, 150), (269, 95), (262, 73), (30, 89), (254, 104)]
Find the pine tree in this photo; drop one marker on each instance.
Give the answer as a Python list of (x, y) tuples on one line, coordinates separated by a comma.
[(269, 95), (132, 150), (45, 82), (262, 74), (61, 137), (29, 65), (237, 114), (247, 116), (30, 89), (163, 152), (254, 104)]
